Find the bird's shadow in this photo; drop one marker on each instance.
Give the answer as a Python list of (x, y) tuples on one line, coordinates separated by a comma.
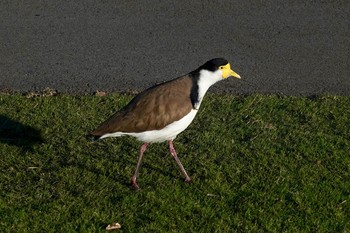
[(17, 134)]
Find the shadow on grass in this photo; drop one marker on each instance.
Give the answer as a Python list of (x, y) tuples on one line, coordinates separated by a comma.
[(18, 134)]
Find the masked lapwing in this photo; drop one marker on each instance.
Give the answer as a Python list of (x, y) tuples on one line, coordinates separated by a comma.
[(163, 111)]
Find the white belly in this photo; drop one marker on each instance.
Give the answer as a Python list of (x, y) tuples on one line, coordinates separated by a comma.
[(168, 133)]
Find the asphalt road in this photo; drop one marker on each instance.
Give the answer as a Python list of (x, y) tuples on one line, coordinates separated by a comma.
[(291, 47)]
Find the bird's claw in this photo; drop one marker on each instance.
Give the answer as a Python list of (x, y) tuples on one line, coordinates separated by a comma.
[(134, 184), (188, 180)]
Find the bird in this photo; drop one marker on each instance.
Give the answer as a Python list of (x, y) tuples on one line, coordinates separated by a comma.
[(161, 112)]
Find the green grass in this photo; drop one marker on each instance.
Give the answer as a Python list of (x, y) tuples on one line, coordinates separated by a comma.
[(268, 163)]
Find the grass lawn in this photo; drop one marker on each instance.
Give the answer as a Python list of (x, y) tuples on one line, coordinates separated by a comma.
[(259, 163)]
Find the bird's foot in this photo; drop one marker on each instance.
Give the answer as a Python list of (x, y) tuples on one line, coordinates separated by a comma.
[(134, 184), (188, 180)]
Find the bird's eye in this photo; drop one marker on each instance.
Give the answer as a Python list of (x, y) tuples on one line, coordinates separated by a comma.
[(221, 67)]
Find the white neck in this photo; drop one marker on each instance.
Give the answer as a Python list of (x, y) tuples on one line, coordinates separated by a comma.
[(206, 80)]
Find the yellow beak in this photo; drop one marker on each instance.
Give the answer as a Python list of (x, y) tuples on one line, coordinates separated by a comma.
[(234, 74), (227, 72)]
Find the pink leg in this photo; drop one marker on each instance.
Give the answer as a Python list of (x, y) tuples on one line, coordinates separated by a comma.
[(134, 177), (173, 153)]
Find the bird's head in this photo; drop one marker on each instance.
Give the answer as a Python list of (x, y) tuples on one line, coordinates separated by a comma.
[(221, 66)]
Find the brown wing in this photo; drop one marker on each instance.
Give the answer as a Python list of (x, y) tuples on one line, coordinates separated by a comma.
[(152, 109)]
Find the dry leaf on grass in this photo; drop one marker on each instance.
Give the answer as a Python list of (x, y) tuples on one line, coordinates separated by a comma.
[(113, 226), (45, 93), (100, 93)]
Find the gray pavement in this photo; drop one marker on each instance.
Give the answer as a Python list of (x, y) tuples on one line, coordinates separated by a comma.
[(289, 47)]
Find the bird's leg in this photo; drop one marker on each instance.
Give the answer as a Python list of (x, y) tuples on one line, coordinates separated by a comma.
[(134, 177), (173, 153)]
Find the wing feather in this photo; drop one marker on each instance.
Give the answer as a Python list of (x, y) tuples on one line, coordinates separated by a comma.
[(152, 109)]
